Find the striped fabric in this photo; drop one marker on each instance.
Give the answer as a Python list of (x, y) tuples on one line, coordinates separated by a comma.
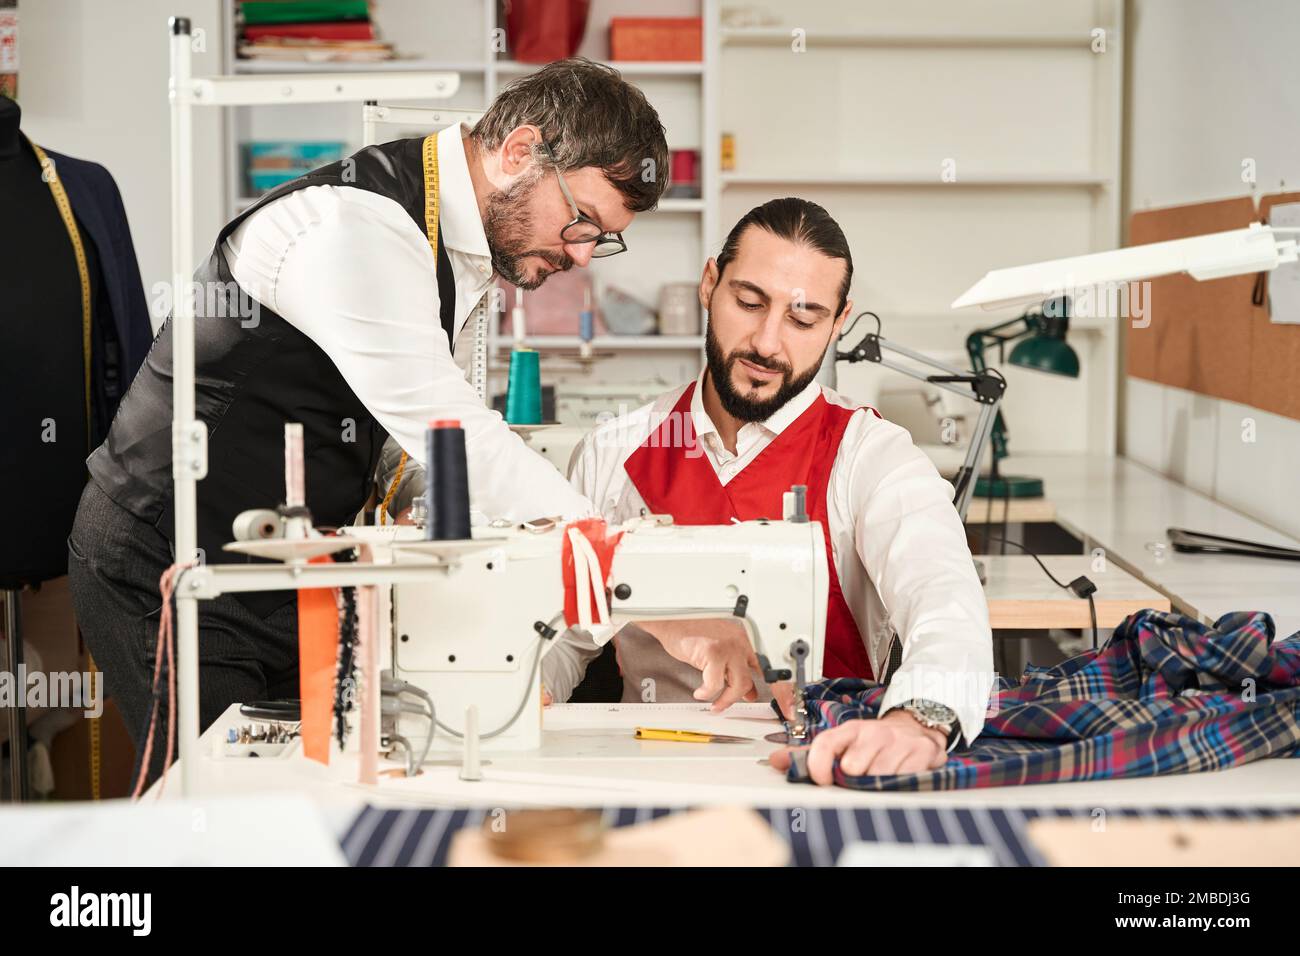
[(1165, 695), (381, 837)]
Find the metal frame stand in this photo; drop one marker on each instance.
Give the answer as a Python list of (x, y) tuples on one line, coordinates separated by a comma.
[(189, 436), (16, 714)]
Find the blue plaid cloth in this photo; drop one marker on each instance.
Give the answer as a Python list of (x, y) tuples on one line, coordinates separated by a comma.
[(1165, 695)]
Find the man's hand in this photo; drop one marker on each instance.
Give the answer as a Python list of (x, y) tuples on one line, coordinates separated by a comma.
[(783, 694), (895, 743), (717, 647)]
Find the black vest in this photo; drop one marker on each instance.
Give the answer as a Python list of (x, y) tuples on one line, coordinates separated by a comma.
[(252, 376)]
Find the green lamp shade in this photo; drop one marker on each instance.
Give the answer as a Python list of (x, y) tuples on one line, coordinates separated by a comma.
[(1046, 354)]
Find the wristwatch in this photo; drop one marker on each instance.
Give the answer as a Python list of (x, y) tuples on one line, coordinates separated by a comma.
[(937, 717)]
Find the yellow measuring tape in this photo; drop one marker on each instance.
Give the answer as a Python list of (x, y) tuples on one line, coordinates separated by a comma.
[(431, 231), (50, 174)]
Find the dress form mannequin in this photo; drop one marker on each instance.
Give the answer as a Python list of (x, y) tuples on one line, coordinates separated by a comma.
[(42, 365), (42, 374), (53, 416)]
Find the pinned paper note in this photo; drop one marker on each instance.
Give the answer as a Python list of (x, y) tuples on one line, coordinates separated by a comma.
[(1284, 281)]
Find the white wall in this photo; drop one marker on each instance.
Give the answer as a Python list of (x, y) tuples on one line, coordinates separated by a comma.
[(93, 84), (1017, 113), (1214, 83)]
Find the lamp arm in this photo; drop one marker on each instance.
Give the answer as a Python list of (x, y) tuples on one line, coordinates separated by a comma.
[(964, 480), (1030, 323), (998, 438), (982, 386), (1009, 331)]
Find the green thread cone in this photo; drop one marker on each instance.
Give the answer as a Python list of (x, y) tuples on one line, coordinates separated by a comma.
[(524, 392)]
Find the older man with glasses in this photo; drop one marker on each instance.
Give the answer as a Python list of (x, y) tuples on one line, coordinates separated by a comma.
[(339, 299)]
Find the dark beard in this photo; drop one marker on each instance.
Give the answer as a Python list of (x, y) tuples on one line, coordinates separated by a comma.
[(738, 406), (504, 221)]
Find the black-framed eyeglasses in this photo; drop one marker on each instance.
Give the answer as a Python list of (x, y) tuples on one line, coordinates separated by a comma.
[(583, 228)]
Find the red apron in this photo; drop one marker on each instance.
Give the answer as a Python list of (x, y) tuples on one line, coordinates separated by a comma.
[(673, 476)]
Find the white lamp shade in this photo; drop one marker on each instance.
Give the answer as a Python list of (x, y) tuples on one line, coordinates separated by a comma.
[(1235, 252)]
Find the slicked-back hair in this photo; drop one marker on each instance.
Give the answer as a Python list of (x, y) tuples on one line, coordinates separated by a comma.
[(799, 221), (589, 116)]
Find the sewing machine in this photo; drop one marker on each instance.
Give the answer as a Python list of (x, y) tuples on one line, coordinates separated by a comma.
[(476, 636), (457, 662)]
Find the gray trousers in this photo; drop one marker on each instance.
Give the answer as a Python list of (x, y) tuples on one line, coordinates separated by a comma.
[(115, 561)]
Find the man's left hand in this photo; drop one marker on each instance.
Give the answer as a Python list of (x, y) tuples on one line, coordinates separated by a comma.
[(893, 744)]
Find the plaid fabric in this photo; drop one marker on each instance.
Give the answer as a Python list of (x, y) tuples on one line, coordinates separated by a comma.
[(1165, 695)]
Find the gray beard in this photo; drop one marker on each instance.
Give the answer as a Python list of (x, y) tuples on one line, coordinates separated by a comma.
[(506, 218)]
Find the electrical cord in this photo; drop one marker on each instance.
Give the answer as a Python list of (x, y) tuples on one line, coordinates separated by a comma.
[(402, 742), (1006, 512), (844, 333), (1017, 544), (988, 521), (523, 702), (1092, 612), (395, 686), (1080, 587)]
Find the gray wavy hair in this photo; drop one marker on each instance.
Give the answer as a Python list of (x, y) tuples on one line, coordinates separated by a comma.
[(589, 116)]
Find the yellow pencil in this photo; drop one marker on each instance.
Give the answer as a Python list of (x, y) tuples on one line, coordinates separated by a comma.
[(687, 736)]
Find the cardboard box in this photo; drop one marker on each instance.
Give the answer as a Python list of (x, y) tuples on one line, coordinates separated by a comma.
[(656, 38)]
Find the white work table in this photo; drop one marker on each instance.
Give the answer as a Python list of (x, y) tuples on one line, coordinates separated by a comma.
[(589, 757), (1021, 597), (1123, 507)]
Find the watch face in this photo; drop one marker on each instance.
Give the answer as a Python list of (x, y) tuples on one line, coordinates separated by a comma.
[(936, 712)]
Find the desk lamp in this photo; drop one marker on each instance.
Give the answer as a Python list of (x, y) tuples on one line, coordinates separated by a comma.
[(1040, 345), (1254, 248)]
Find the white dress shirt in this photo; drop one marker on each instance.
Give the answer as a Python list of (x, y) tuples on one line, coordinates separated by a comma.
[(899, 547), (352, 271)]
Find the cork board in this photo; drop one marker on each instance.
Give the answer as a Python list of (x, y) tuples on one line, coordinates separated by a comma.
[(1199, 336), (1209, 337)]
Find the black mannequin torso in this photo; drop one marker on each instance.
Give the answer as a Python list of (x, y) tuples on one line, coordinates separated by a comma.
[(10, 115), (43, 430)]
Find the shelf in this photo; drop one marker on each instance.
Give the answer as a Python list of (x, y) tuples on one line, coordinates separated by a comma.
[(626, 67), (912, 180), (258, 67), (782, 36), (608, 342), (313, 87), (680, 205), (665, 205), (684, 206)]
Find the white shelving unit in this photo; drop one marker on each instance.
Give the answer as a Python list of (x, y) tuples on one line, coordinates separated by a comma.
[(859, 104)]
